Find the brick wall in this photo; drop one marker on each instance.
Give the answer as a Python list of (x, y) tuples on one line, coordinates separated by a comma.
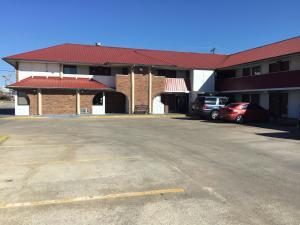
[(123, 85), (141, 92), (32, 95), (58, 102), (86, 100)]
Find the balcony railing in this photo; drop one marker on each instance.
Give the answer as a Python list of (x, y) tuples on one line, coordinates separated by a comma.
[(177, 85), (287, 79)]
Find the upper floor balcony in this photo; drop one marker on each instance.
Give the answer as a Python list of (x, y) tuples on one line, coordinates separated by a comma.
[(288, 79)]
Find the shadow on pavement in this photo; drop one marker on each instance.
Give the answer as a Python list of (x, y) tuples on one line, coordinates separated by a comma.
[(279, 129)]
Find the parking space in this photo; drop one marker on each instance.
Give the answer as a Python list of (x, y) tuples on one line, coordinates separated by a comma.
[(147, 171)]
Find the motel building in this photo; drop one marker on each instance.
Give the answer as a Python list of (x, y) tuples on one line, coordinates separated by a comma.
[(93, 79)]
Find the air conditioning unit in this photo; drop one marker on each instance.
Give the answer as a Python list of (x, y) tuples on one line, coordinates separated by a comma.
[(84, 111)]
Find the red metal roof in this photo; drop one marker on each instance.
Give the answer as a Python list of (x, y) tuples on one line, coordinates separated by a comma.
[(281, 48), (58, 83), (88, 54)]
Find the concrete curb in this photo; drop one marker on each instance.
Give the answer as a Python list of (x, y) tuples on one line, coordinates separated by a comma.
[(127, 116)]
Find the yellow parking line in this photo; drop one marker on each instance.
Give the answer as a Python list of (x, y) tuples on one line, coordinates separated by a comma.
[(92, 198), (3, 138), (44, 145), (68, 161)]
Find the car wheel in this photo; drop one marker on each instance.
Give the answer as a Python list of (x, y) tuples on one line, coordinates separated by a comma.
[(239, 119), (214, 115)]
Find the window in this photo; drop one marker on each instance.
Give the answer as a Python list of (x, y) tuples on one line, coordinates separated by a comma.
[(279, 66), (125, 71), (100, 70), (284, 66), (210, 101), (167, 73), (70, 69), (245, 98), (256, 70), (98, 99), (223, 101), (255, 99), (246, 71), (22, 99)]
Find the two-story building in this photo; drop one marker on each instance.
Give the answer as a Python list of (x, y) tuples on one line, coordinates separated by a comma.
[(93, 79), (268, 75), (85, 79)]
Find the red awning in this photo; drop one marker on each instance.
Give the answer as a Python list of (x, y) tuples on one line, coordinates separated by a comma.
[(43, 82)]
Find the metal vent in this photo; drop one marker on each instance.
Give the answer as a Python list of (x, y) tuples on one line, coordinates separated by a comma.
[(84, 111)]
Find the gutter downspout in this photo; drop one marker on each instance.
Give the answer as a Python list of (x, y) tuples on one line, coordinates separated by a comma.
[(150, 91)]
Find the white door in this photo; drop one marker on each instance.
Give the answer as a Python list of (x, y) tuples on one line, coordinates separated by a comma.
[(158, 106)]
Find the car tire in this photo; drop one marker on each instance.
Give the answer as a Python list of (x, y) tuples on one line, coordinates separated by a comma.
[(214, 115), (239, 119)]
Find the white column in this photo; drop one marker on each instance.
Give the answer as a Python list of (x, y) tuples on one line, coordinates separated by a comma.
[(103, 102), (39, 101), (77, 102), (132, 89), (150, 91)]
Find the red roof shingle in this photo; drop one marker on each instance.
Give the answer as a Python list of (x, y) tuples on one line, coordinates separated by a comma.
[(88, 54), (281, 48), (59, 83), (97, 55)]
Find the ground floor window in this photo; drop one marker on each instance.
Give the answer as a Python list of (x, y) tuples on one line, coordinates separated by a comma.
[(22, 99)]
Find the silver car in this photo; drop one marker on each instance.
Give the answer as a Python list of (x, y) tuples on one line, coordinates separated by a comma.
[(208, 106)]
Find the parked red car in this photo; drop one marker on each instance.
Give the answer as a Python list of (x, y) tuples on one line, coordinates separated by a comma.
[(244, 112)]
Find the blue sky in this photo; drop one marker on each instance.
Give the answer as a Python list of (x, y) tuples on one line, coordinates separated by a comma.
[(189, 25)]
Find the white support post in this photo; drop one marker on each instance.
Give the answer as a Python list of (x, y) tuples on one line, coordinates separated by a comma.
[(39, 101), (77, 102), (132, 89), (104, 106), (150, 91)]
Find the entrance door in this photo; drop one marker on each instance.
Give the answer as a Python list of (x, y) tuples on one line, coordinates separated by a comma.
[(158, 106), (182, 103), (278, 103)]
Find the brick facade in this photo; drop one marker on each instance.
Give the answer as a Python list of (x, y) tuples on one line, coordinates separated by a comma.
[(86, 100), (123, 85), (141, 92), (58, 102), (64, 101)]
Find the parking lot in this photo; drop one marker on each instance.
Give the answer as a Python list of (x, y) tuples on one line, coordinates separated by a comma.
[(147, 171)]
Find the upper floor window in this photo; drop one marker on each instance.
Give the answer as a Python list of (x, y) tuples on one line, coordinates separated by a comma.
[(247, 71), (256, 70), (100, 70), (279, 66), (125, 70), (167, 73), (70, 69)]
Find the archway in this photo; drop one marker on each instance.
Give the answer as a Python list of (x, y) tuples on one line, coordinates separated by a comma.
[(116, 102)]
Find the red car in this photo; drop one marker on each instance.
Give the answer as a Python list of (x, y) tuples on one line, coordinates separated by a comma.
[(244, 112)]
